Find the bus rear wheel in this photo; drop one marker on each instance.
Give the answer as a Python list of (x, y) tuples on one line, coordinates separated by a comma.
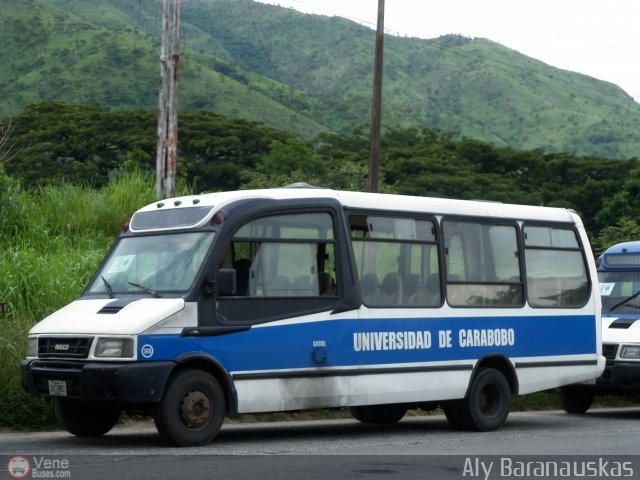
[(486, 406), (192, 408), (85, 419), (382, 414)]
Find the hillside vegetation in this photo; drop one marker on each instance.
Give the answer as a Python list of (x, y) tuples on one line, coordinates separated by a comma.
[(58, 142), (260, 62)]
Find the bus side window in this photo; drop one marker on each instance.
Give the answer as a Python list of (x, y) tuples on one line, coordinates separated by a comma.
[(483, 266), (556, 272), (397, 259)]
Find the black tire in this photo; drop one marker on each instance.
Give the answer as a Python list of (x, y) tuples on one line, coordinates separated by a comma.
[(85, 419), (575, 400), (486, 406), (192, 408), (453, 412), (360, 414), (381, 414)]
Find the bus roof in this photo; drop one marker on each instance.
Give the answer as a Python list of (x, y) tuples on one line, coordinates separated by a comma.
[(624, 247), (363, 200)]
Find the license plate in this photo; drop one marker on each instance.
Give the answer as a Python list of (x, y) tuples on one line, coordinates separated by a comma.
[(57, 388)]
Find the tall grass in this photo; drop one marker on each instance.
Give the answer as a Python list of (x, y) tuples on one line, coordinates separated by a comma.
[(51, 241)]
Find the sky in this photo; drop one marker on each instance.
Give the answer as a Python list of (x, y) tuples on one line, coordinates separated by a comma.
[(594, 37)]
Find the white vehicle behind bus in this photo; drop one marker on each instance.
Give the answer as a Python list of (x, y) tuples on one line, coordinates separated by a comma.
[(299, 298), (619, 277)]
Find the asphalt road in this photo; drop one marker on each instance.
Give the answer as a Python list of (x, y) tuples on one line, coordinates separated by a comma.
[(415, 448)]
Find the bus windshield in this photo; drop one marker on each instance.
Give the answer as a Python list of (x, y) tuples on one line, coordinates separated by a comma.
[(619, 291), (153, 264)]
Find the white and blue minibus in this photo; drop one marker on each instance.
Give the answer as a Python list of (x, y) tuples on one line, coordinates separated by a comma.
[(619, 279), (295, 298)]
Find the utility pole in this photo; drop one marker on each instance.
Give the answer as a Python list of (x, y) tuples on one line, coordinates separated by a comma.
[(166, 150), (376, 107)]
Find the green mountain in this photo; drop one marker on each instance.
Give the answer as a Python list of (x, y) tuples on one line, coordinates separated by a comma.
[(305, 74)]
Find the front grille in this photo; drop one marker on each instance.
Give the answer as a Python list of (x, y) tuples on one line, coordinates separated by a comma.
[(66, 368), (609, 350), (64, 347)]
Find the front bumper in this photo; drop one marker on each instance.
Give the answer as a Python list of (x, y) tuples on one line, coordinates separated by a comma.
[(619, 377), (130, 383)]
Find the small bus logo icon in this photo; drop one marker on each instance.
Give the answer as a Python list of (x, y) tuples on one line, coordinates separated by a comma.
[(18, 467), (147, 351)]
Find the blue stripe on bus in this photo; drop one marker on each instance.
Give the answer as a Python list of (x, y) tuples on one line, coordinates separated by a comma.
[(389, 341)]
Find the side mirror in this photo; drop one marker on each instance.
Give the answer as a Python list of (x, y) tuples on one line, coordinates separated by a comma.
[(226, 281)]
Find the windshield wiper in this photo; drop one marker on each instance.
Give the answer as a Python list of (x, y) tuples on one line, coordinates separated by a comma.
[(107, 286), (628, 299), (146, 289)]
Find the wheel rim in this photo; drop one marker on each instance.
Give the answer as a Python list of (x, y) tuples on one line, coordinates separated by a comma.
[(490, 401), (195, 409)]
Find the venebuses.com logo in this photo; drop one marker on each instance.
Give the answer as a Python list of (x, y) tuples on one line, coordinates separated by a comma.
[(20, 466)]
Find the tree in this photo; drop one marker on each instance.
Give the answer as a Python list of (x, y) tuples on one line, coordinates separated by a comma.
[(58, 141), (217, 152), (624, 203), (288, 156), (624, 230), (287, 162)]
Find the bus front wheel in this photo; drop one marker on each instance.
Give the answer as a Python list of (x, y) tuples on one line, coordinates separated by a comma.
[(85, 419), (192, 408), (486, 405)]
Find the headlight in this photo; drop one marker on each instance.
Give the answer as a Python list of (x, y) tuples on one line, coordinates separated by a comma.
[(630, 352), (32, 347), (114, 348)]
